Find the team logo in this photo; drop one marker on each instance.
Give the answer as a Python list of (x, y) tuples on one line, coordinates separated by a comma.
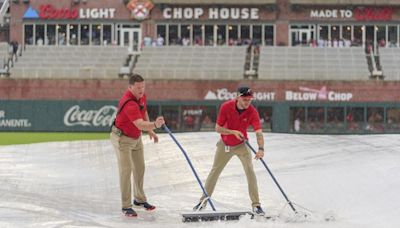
[(140, 9)]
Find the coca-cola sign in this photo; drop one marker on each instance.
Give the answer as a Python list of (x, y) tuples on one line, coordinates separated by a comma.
[(102, 117)]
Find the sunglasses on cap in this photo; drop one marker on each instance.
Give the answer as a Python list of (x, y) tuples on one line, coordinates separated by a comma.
[(245, 92)]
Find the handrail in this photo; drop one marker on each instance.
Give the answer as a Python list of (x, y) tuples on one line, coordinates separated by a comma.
[(3, 11)]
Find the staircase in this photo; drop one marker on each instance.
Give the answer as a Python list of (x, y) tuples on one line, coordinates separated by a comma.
[(373, 61), (3, 12), (252, 62)]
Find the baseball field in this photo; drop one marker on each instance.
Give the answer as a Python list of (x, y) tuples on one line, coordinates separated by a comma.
[(11, 138)]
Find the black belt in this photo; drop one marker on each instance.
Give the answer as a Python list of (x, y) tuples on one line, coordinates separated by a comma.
[(117, 131)]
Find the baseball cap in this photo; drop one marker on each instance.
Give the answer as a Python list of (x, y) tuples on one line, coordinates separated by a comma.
[(244, 92)]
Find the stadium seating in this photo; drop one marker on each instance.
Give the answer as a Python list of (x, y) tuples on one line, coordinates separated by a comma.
[(4, 50), (70, 62), (299, 63), (177, 62), (201, 62), (390, 61)]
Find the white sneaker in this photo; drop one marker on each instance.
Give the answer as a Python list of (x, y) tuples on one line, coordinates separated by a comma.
[(257, 210)]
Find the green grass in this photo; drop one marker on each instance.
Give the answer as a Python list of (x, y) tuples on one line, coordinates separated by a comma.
[(12, 138)]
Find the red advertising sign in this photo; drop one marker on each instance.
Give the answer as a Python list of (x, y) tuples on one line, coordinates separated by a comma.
[(50, 12), (373, 14)]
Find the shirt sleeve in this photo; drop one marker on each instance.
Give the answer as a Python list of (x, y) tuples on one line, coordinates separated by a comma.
[(132, 111), (255, 120), (221, 120)]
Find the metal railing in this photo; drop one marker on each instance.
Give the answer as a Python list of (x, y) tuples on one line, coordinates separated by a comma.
[(3, 11)]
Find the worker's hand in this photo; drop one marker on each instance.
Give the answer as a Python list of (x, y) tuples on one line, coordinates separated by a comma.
[(259, 154), (159, 121), (237, 134), (153, 136)]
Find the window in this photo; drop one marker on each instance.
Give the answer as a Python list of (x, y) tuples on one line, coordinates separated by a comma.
[(393, 119), (208, 118), (198, 35), (233, 34), (107, 35), (346, 32), (357, 36), (209, 35), (161, 34), (221, 34), (335, 35), (297, 119), (257, 34), (85, 32), (28, 31), (73, 34), (217, 34), (393, 36), (185, 34), (315, 119), (61, 34), (323, 32), (171, 115), (96, 34), (191, 118), (173, 38), (375, 120), (355, 119), (39, 35), (265, 117), (269, 35), (51, 35), (335, 120), (381, 36), (245, 33)]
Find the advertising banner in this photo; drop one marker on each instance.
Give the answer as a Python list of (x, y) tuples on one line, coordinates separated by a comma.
[(57, 115)]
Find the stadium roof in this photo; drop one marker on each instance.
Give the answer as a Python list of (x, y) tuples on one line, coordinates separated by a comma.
[(222, 2), (346, 2)]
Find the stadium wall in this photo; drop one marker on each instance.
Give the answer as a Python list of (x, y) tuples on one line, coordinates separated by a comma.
[(90, 105), (196, 90)]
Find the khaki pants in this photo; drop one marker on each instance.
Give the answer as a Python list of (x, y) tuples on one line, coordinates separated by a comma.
[(130, 161), (222, 158)]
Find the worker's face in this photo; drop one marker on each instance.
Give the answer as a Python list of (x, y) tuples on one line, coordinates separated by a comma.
[(137, 89), (244, 102)]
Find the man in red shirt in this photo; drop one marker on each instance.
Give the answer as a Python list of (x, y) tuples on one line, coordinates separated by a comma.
[(132, 118), (234, 117)]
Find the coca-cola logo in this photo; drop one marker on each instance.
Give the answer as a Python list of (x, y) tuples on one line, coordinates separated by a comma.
[(97, 118), (49, 11)]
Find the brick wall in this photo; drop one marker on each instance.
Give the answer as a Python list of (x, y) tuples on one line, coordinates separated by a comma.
[(185, 90)]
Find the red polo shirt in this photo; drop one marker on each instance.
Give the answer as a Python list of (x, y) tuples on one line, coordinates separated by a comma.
[(133, 110), (230, 118)]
